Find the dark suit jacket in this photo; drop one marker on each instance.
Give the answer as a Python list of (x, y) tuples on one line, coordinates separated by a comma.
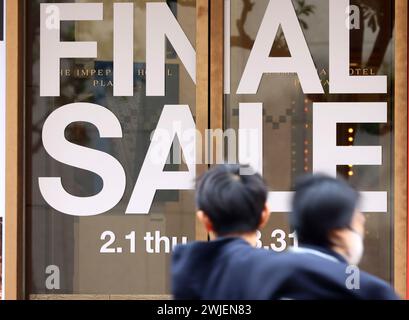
[(230, 269)]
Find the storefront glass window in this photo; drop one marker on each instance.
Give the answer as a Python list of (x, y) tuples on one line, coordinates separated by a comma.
[(106, 253), (289, 109)]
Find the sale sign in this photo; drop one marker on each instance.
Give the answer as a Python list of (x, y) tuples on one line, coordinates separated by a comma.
[(177, 121), (112, 138)]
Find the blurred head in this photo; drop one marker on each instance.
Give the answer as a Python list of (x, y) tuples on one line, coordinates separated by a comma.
[(230, 203), (325, 213)]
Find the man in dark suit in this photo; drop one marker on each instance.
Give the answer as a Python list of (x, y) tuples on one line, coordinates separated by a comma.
[(232, 206), (330, 230)]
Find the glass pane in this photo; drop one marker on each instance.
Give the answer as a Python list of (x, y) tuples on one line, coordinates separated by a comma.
[(288, 112), (80, 247)]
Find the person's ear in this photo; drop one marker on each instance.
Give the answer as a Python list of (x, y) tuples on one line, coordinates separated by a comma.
[(204, 219), (337, 238), (265, 216)]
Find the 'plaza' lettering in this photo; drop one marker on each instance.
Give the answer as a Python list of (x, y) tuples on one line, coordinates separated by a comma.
[(162, 24)]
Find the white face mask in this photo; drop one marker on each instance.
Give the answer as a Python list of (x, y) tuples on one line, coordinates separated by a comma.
[(357, 248)]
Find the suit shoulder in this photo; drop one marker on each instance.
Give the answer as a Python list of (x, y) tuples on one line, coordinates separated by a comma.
[(375, 288)]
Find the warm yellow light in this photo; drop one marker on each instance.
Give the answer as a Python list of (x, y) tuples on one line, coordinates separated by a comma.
[(350, 173), (350, 130), (350, 139)]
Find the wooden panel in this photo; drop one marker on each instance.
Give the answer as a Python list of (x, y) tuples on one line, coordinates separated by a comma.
[(202, 91), (209, 97), (97, 297), (14, 148), (69, 297), (139, 297), (401, 151), (216, 72)]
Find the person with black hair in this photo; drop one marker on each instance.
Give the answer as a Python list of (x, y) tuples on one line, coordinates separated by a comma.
[(330, 229), (232, 206)]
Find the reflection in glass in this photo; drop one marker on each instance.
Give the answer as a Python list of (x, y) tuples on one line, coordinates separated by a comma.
[(74, 244), (287, 111)]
